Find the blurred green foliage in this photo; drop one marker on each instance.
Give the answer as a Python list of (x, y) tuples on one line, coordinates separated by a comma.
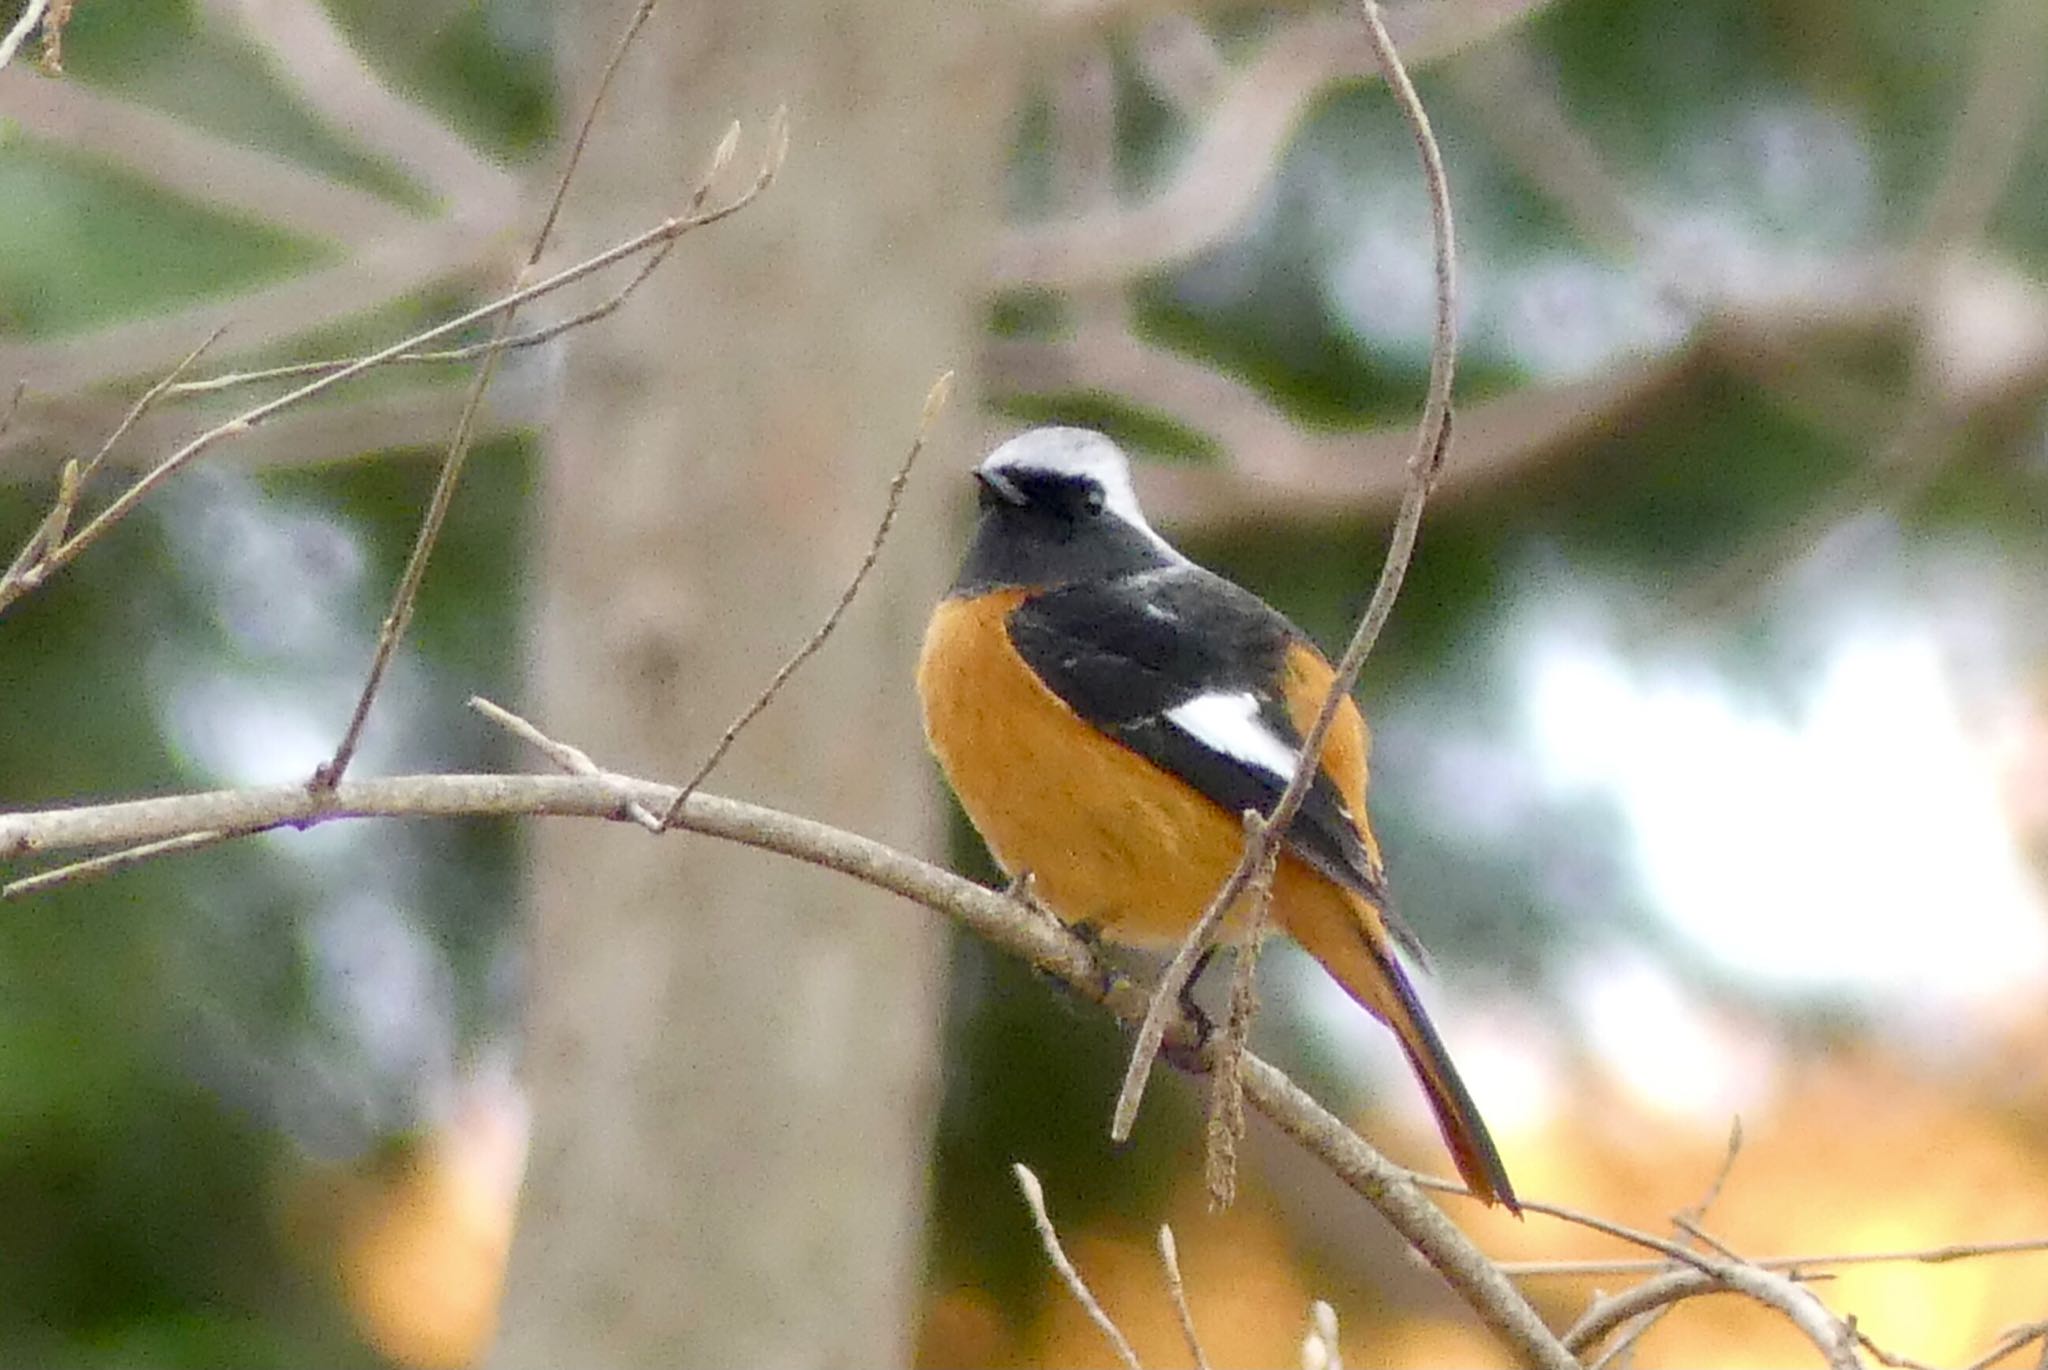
[(141, 1225)]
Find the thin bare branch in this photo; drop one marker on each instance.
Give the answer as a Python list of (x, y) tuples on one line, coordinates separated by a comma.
[(1005, 922), (2012, 1341), (1933, 1255), (934, 401), (1226, 1090), (392, 631), (1049, 1238), (72, 479), (1833, 1338), (79, 872), (1686, 1221), (31, 16), (572, 759), (1432, 442), (643, 241), (443, 356), (1176, 1291)]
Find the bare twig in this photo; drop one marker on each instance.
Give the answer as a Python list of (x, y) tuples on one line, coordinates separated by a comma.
[(1226, 1091), (1003, 921), (646, 240), (443, 356), (1320, 1349), (72, 479), (572, 759), (1933, 1255), (1034, 1198), (23, 27), (2011, 1342), (392, 631), (78, 872), (1830, 1335), (54, 24), (934, 401), (1686, 1221), (1176, 1290), (1431, 445)]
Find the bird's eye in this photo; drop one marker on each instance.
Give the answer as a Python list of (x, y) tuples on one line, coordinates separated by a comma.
[(1094, 499)]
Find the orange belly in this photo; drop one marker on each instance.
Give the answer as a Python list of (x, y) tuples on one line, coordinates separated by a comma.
[(1109, 838)]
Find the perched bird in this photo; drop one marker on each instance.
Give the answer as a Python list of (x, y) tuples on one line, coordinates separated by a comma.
[(1107, 710)]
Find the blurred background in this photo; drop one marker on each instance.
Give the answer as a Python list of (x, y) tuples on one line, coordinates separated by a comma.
[(1712, 727)]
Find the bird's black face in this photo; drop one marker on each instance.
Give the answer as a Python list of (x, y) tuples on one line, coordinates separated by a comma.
[(1043, 528)]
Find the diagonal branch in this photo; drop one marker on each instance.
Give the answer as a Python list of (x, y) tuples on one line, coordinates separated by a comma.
[(990, 914), (647, 240), (313, 54), (1432, 441), (200, 166), (392, 631)]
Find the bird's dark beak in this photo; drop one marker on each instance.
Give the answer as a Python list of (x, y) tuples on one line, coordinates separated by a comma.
[(1001, 486)]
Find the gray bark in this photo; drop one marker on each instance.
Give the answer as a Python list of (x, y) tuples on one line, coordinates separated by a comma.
[(732, 1058)]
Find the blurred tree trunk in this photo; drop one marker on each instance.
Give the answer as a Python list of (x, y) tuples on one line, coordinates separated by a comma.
[(732, 1058)]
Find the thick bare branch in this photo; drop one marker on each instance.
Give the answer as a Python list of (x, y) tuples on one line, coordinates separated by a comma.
[(312, 53), (389, 269), (200, 166), (1003, 921), (1238, 149), (1275, 466)]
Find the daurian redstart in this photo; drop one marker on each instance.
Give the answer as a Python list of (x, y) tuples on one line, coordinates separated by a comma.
[(1107, 710)]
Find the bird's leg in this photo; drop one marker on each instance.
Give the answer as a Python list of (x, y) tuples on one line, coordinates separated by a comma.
[(1196, 1014), (1023, 890)]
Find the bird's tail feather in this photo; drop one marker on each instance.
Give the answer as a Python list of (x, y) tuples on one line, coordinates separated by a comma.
[(1344, 941)]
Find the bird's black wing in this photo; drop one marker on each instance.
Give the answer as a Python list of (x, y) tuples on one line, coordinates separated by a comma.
[(1185, 669)]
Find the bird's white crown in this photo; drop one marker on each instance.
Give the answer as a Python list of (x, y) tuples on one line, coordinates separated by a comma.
[(1080, 452)]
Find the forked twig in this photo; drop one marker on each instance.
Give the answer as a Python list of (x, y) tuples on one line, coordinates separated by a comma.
[(651, 238), (1034, 1198), (572, 759), (934, 401), (72, 479), (392, 631), (23, 27), (1431, 445), (78, 872)]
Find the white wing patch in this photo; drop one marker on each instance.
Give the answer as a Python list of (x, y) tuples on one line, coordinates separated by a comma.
[(1230, 724)]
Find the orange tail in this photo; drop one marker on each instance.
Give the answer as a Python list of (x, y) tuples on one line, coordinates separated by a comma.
[(1347, 937)]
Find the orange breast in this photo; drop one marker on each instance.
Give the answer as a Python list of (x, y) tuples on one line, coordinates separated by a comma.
[(1109, 838)]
